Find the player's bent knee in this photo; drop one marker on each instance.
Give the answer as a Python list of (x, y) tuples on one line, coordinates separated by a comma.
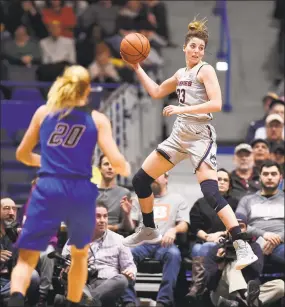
[(211, 193), (141, 183)]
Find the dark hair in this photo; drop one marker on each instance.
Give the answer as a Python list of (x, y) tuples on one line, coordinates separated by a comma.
[(270, 163), (229, 175), (100, 204), (197, 28), (100, 160), (48, 3)]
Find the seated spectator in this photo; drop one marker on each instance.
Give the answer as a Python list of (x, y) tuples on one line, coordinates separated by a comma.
[(22, 55), (171, 214), (102, 13), (9, 254), (245, 177), (278, 155), (112, 261), (158, 17), (26, 13), (78, 6), (277, 106), (264, 212), (208, 230), (274, 130), (232, 288), (102, 69), (113, 197), (57, 53), (57, 10), (261, 152), (255, 125)]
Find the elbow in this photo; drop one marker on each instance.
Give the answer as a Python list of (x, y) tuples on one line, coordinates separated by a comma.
[(19, 155), (218, 106)]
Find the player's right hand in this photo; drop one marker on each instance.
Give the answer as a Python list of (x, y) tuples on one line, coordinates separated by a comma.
[(5, 255), (133, 66)]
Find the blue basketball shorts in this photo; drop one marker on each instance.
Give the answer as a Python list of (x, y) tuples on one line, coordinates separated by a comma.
[(55, 200)]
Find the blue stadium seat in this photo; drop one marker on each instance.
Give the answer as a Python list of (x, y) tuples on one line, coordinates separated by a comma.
[(26, 94)]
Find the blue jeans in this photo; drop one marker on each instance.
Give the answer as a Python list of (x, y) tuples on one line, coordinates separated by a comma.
[(201, 250), (171, 260), (31, 293), (278, 254)]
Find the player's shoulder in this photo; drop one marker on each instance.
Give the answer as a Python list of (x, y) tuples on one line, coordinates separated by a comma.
[(206, 67), (99, 118)]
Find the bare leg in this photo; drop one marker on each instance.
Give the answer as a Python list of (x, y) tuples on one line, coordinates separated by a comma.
[(154, 165), (22, 273), (77, 275)]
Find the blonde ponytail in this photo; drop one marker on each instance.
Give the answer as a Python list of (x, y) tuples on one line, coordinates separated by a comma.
[(197, 28), (69, 90)]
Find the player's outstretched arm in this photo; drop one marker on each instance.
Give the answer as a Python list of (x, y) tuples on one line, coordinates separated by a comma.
[(155, 91), (108, 145), (24, 152)]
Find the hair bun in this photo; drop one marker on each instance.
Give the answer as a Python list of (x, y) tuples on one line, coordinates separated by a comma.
[(198, 25)]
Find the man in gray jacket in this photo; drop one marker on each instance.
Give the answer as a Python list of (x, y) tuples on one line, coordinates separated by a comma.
[(265, 212)]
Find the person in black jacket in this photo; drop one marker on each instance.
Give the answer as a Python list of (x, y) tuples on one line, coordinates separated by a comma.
[(232, 288), (208, 229)]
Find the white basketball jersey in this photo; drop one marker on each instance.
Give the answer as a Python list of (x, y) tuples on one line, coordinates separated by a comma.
[(191, 91)]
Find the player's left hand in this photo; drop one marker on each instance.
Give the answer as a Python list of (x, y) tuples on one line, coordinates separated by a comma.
[(172, 110), (168, 238)]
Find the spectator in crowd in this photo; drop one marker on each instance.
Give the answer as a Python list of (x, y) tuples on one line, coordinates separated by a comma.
[(113, 197), (171, 214), (261, 151), (111, 259), (57, 10), (158, 17), (277, 106), (22, 50), (102, 13), (78, 6), (9, 254), (274, 129), (232, 288), (264, 212), (57, 52), (26, 13), (245, 178), (255, 125), (208, 230), (102, 69), (22, 54), (278, 155)]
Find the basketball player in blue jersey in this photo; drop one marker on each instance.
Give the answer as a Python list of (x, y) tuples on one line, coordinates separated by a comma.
[(68, 133), (193, 137)]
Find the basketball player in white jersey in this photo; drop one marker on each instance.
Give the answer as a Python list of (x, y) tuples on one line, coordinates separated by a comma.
[(193, 137)]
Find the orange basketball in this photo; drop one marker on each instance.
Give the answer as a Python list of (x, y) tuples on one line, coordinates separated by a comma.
[(135, 48)]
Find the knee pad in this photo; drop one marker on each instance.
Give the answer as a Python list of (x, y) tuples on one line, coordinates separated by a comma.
[(211, 193), (141, 183)]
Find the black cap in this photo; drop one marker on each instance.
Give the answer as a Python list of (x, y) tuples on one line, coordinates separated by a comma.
[(276, 101), (254, 142), (278, 147), (241, 218)]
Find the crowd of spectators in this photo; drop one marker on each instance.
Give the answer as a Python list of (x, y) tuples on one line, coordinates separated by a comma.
[(41, 37), (255, 194)]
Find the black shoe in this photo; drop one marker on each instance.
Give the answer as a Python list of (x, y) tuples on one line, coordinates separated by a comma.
[(16, 300), (222, 302), (253, 291)]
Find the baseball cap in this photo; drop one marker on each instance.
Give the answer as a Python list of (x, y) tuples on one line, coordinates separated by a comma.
[(276, 101), (254, 142), (243, 146), (278, 148), (273, 117), (270, 95), (241, 218)]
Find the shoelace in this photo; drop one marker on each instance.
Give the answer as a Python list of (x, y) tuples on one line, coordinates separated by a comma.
[(242, 250)]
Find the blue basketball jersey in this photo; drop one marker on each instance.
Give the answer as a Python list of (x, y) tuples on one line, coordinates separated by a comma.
[(68, 143)]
